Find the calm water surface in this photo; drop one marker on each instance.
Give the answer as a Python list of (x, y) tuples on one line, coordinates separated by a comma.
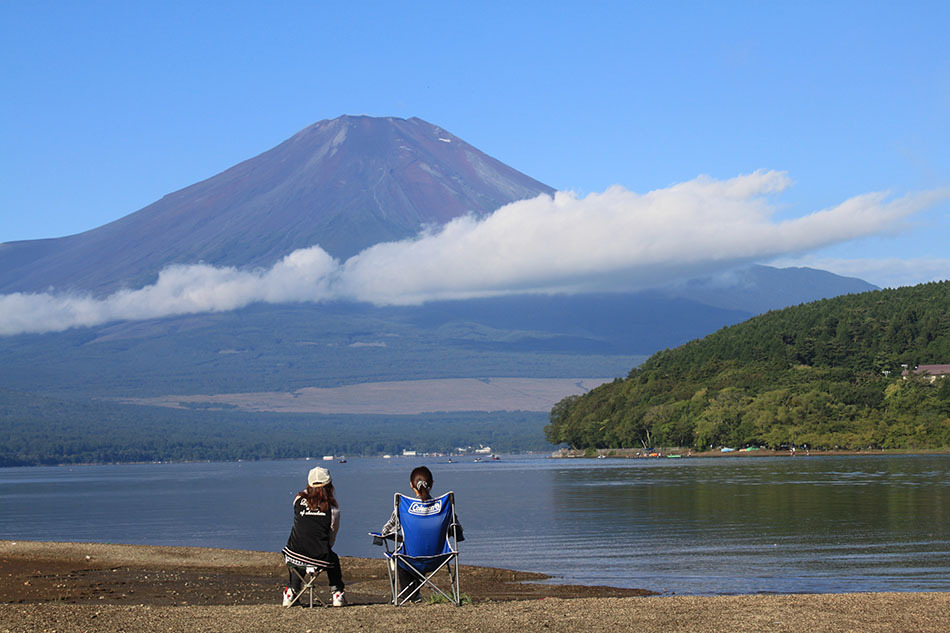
[(686, 526)]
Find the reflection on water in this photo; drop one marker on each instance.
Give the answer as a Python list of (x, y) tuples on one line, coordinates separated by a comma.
[(751, 525), (702, 526)]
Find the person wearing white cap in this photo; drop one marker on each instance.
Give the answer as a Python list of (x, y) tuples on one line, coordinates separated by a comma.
[(316, 523)]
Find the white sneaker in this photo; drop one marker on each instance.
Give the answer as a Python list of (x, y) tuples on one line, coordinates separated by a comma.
[(288, 596), (339, 599)]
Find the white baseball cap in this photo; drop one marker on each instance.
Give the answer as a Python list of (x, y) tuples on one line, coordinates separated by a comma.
[(318, 477)]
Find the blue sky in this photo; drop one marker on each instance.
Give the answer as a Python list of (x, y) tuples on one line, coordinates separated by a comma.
[(110, 105)]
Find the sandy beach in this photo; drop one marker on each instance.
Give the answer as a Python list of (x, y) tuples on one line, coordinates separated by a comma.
[(67, 587)]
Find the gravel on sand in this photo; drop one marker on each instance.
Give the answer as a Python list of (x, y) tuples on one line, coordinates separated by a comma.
[(66, 587)]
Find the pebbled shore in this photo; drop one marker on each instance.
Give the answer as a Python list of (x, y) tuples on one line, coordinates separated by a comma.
[(67, 587)]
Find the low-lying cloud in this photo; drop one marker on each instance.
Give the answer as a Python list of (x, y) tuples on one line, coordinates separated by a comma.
[(615, 240)]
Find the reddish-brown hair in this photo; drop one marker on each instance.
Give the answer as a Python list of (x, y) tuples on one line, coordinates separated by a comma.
[(319, 498)]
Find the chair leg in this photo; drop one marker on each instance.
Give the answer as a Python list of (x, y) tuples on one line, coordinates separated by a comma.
[(421, 579), (307, 581), (454, 584), (393, 581)]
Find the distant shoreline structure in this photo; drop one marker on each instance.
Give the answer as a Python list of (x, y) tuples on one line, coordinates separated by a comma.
[(660, 453)]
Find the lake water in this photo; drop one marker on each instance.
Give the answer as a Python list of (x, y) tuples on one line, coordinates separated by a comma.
[(684, 526)]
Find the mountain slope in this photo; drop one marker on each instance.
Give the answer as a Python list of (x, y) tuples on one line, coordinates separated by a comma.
[(757, 289), (343, 184), (278, 347)]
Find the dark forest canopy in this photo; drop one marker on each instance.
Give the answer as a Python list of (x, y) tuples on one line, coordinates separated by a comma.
[(39, 430), (825, 374)]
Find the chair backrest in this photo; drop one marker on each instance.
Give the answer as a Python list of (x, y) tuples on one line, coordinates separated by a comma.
[(425, 524)]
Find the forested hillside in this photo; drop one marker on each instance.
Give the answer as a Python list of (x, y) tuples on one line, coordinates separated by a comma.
[(825, 374)]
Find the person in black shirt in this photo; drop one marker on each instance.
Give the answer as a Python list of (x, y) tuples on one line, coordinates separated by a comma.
[(316, 523)]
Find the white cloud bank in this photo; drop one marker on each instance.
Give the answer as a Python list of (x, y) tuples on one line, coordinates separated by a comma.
[(615, 240)]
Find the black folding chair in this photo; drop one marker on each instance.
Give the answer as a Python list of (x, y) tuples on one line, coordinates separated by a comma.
[(307, 570)]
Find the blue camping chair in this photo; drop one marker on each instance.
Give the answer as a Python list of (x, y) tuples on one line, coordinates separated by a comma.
[(424, 545)]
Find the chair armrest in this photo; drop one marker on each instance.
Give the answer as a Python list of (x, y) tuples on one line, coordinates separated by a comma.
[(379, 539)]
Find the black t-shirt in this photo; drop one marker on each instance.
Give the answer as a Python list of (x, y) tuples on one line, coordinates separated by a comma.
[(310, 535)]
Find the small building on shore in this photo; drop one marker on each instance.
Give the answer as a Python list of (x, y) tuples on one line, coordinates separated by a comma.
[(931, 372)]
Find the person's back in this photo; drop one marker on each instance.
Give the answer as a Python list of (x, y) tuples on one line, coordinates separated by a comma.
[(420, 482), (314, 530), (310, 544)]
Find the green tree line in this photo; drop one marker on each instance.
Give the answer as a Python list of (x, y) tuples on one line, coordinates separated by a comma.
[(826, 374), (41, 430)]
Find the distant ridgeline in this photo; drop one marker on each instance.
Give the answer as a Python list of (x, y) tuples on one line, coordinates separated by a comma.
[(825, 374)]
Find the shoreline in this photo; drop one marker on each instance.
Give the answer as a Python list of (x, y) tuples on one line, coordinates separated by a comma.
[(564, 453), (676, 452), (93, 587), (103, 571)]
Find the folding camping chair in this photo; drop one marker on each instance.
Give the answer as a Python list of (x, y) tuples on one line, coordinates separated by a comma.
[(308, 577), (425, 544)]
